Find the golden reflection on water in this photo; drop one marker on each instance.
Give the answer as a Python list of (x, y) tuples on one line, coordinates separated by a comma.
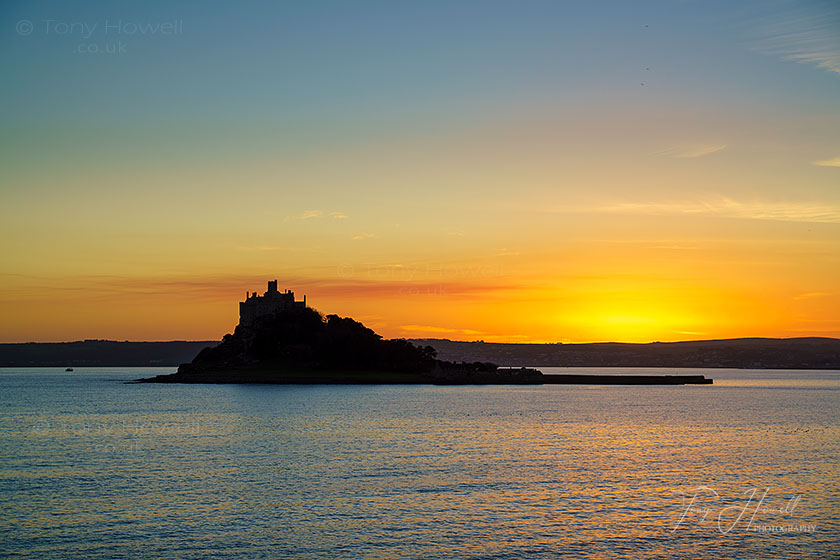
[(391, 472)]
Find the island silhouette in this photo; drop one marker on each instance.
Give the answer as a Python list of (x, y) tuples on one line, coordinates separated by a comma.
[(282, 340)]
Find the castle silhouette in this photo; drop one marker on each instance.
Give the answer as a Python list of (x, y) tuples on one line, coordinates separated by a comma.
[(268, 304)]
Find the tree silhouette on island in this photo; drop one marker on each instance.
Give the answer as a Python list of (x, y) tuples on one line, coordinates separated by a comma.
[(303, 340)]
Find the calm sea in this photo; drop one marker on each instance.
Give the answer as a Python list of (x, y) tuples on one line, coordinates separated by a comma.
[(94, 468)]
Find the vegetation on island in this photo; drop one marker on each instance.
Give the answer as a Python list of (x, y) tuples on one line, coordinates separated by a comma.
[(299, 345), (303, 339)]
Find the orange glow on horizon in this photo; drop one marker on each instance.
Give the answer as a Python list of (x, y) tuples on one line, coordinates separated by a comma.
[(493, 310), (590, 284)]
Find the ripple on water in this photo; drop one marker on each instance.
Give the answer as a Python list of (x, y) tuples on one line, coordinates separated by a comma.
[(96, 469)]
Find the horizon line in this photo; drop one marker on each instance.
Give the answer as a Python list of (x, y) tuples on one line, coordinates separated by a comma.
[(217, 341)]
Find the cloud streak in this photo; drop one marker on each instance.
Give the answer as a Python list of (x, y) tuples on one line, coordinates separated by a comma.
[(812, 295), (724, 208), (269, 248), (345, 283), (808, 35), (312, 214), (835, 162), (696, 151), (429, 329)]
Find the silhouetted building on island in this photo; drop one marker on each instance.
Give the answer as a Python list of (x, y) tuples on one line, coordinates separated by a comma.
[(268, 304)]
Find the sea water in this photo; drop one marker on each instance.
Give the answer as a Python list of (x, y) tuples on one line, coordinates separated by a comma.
[(92, 468)]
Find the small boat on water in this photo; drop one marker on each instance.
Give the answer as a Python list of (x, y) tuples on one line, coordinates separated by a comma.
[(68, 369)]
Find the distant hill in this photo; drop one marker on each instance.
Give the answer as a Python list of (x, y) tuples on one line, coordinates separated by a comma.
[(765, 353), (100, 353), (769, 353)]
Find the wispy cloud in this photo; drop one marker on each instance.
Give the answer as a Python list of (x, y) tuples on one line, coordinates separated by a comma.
[(724, 208), (309, 214), (312, 214), (104, 288), (728, 208), (690, 151), (426, 329), (316, 214), (351, 285), (343, 283), (507, 253), (812, 295), (269, 248), (363, 235), (835, 162), (808, 33)]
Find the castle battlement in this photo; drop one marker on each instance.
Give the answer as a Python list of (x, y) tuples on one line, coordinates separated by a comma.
[(270, 303)]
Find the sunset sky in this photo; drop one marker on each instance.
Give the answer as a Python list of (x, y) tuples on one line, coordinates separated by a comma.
[(521, 171)]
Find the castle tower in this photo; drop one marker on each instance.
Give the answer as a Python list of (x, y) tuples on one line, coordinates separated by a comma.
[(268, 305)]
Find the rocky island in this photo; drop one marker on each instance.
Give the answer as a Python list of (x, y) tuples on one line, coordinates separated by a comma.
[(283, 341)]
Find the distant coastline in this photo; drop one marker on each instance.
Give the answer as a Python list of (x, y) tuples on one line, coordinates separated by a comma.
[(100, 353), (744, 353), (736, 353)]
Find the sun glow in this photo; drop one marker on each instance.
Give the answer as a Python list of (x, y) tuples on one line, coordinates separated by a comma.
[(637, 320)]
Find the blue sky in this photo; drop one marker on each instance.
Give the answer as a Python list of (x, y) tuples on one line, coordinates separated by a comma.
[(287, 60)]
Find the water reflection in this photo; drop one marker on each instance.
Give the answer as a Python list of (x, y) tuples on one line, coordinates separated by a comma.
[(101, 469)]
